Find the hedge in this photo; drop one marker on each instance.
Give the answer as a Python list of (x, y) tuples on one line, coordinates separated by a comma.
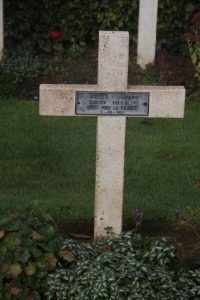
[(28, 23)]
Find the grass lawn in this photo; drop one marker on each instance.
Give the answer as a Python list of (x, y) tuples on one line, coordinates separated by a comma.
[(52, 160)]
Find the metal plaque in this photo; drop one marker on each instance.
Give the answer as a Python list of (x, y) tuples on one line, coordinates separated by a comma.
[(115, 104)]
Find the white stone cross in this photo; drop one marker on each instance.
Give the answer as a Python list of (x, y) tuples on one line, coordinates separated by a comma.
[(146, 45), (60, 100), (1, 29)]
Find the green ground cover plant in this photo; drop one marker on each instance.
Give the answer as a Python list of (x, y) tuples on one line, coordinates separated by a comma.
[(30, 247), (130, 267), (52, 160), (37, 263)]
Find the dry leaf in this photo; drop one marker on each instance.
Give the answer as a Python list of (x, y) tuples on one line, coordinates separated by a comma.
[(106, 248), (79, 236), (167, 156)]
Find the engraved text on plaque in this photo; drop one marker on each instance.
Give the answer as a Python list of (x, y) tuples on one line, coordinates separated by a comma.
[(108, 103)]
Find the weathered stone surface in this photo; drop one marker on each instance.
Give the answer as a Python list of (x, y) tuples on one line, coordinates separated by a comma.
[(112, 76), (59, 100), (164, 102), (109, 175), (113, 60), (147, 32)]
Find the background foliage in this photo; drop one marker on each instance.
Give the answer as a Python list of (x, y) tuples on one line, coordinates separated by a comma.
[(80, 20)]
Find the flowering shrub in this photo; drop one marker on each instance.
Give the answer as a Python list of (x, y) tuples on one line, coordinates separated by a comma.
[(193, 39)]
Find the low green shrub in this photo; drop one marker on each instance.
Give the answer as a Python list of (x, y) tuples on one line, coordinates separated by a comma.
[(29, 250), (22, 65), (193, 95), (8, 84), (130, 267)]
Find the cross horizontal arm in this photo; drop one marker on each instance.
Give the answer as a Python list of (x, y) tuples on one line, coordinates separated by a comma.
[(164, 102), (59, 99)]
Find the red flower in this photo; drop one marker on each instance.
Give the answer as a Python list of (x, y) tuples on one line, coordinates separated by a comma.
[(196, 19), (54, 35), (197, 38)]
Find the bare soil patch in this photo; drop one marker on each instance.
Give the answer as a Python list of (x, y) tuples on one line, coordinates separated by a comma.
[(183, 238)]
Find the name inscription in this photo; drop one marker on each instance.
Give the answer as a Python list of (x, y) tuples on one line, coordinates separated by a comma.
[(108, 103)]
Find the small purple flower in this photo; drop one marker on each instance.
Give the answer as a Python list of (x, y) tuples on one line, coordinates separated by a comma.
[(141, 214), (136, 213), (7, 71)]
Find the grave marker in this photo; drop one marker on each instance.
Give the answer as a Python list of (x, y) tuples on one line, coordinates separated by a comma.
[(146, 46), (111, 100), (1, 29)]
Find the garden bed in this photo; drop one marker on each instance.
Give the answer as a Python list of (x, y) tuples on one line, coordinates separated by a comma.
[(169, 69)]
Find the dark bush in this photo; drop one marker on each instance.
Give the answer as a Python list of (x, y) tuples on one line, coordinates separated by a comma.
[(80, 20)]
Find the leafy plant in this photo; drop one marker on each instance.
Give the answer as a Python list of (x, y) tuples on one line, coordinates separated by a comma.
[(193, 39), (129, 267), (29, 250), (55, 65), (193, 94), (77, 24), (22, 65), (177, 15), (76, 51), (8, 84)]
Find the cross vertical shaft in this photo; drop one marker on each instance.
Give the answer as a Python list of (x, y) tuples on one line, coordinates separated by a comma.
[(112, 76), (147, 26)]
